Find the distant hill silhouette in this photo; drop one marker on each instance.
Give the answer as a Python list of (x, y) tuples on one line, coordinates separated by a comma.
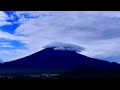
[(69, 63)]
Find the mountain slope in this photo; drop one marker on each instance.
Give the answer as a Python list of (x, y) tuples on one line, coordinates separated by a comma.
[(49, 60)]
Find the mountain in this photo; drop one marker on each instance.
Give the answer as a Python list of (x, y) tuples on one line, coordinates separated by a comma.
[(46, 60), (69, 63)]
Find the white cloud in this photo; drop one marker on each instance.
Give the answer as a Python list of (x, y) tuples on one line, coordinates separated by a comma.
[(32, 13), (9, 55), (3, 16), (64, 46), (5, 44), (103, 48), (3, 19), (7, 35)]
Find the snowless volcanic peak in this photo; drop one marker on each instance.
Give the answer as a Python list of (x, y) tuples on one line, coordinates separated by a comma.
[(64, 46)]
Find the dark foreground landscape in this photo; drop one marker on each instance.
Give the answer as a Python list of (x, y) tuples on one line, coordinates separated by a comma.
[(59, 64), (65, 76), (28, 76)]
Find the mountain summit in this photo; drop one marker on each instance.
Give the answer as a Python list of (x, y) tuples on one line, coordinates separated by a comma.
[(67, 62), (64, 46), (49, 60)]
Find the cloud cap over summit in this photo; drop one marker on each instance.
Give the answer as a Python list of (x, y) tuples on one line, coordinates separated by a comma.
[(64, 46)]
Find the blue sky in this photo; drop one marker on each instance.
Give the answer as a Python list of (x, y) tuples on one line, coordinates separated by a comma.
[(25, 32)]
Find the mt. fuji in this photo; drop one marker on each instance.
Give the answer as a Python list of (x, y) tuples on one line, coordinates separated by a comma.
[(51, 60)]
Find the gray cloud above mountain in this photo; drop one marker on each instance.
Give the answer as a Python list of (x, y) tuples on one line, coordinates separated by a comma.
[(64, 46)]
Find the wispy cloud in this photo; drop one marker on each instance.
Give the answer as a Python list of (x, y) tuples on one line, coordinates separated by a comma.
[(3, 19), (6, 44), (64, 46)]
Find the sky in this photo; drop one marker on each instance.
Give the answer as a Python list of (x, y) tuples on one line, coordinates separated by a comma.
[(25, 32)]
